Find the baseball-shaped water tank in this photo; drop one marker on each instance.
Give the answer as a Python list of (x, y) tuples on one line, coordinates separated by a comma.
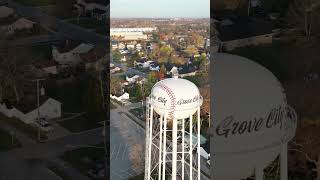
[(251, 118), (175, 98)]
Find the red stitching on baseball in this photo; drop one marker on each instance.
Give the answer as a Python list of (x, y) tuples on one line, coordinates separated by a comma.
[(172, 98)]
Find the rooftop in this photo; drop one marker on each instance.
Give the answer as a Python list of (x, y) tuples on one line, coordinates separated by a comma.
[(243, 28)]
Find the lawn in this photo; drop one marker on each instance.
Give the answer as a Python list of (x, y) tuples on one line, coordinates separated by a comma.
[(62, 12), (8, 20), (36, 2), (34, 54), (85, 158), (138, 112), (6, 141), (26, 33), (90, 23), (139, 177), (84, 122), (59, 172), (112, 106), (27, 129)]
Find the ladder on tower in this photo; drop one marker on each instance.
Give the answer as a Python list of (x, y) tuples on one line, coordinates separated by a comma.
[(147, 137)]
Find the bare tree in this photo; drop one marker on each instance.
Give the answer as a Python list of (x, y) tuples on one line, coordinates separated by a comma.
[(137, 157), (305, 15)]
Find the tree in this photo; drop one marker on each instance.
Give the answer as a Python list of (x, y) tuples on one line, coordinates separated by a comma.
[(203, 62), (304, 15), (115, 85), (15, 75), (137, 157), (178, 60), (151, 80), (165, 53), (134, 58), (191, 50), (196, 39), (116, 55)]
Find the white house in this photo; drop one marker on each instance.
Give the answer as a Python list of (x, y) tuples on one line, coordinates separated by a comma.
[(154, 68), (130, 46), (114, 70), (72, 57), (138, 47), (124, 97), (5, 11), (174, 71), (49, 108), (132, 79), (121, 45), (123, 59)]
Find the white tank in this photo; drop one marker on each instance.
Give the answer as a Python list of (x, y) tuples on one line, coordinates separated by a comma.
[(250, 117), (175, 97)]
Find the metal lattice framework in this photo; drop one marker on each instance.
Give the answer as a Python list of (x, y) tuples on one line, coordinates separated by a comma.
[(170, 145)]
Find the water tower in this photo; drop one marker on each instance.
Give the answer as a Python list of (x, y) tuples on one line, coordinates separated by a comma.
[(173, 131), (252, 122)]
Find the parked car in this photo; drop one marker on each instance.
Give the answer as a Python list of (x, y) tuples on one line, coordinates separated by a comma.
[(44, 125)]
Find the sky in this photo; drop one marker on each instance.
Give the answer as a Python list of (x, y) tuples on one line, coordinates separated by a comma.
[(160, 8)]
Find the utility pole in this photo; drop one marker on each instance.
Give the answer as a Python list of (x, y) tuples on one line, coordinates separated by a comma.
[(38, 107)]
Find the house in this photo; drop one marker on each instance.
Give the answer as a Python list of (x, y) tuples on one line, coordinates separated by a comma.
[(69, 54), (124, 97), (174, 71), (183, 71), (114, 70), (244, 32), (123, 59), (138, 47), (6, 12), (96, 9), (28, 112), (121, 46), (130, 46), (114, 45), (154, 67), (48, 67), (20, 24), (132, 79), (93, 60)]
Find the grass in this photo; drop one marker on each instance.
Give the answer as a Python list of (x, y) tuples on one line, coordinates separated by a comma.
[(59, 172), (8, 20), (139, 177), (6, 142), (112, 106), (75, 157), (37, 31), (27, 129), (34, 54), (138, 112), (84, 122), (62, 12), (36, 2), (195, 79), (89, 23)]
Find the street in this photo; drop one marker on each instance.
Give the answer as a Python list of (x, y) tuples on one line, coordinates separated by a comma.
[(30, 159), (58, 26)]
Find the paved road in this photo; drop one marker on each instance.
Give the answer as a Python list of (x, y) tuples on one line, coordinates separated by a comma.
[(62, 28), (124, 135), (19, 159)]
